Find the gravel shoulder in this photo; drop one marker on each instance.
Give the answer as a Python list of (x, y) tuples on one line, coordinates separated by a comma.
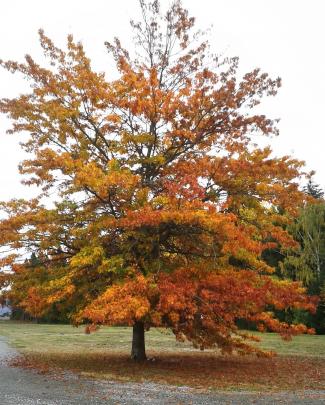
[(27, 387)]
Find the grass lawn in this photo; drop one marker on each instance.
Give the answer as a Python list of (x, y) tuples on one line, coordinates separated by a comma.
[(105, 354)]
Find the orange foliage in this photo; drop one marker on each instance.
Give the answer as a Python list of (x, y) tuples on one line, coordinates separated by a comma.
[(164, 204)]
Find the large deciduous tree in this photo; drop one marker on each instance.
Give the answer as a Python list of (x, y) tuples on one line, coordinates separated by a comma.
[(162, 200)]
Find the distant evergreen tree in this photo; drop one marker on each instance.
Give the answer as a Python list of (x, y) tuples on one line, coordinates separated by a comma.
[(313, 190), (34, 260)]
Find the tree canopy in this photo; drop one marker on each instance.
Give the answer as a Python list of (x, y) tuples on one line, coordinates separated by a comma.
[(162, 201)]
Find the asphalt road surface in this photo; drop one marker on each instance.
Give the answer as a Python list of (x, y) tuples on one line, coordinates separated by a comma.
[(27, 387)]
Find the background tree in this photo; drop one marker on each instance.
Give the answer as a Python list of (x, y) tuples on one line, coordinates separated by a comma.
[(162, 208), (306, 263), (314, 190)]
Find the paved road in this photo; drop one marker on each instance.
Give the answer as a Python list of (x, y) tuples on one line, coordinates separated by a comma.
[(25, 387)]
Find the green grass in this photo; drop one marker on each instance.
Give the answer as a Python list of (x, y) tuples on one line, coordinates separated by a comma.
[(36, 337), (106, 354)]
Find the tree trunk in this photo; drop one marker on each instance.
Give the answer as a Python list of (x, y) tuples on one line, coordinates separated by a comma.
[(138, 352)]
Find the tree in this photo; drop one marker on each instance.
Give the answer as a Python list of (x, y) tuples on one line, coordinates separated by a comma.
[(309, 230), (35, 274), (162, 208), (314, 190), (306, 262)]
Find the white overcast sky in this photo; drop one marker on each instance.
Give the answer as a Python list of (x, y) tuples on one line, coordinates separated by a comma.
[(283, 37)]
